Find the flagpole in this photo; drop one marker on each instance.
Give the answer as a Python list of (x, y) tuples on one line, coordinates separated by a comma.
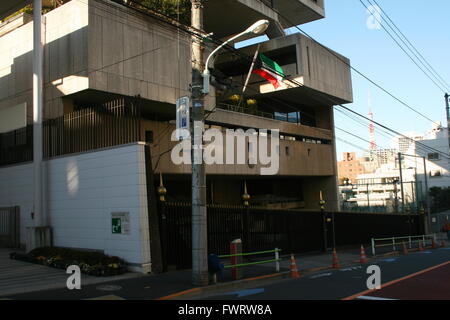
[(249, 74)]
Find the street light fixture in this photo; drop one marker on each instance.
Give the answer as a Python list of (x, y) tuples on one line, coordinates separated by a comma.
[(199, 91), (255, 29)]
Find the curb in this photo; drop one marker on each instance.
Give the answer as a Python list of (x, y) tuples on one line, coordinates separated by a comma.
[(237, 284), (226, 285)]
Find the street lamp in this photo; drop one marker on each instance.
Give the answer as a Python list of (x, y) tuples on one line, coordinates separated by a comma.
[(256, 29), (200, 88)]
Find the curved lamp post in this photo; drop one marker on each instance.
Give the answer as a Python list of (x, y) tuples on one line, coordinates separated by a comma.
[(256, 29)]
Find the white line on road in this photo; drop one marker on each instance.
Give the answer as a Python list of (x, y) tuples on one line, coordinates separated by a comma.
[(372, 298), (320, 275)]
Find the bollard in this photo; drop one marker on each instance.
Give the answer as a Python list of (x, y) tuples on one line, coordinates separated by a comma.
[(277, 263), (236, 248)]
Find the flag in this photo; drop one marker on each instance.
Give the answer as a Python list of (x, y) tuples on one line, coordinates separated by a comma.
[(271, 71)]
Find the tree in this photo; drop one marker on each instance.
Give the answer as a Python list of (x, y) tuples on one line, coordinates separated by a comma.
[(175, 9), (440, 199)]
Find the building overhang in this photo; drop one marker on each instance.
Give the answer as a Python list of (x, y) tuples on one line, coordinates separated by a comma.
[(8, 7), (314, 74)]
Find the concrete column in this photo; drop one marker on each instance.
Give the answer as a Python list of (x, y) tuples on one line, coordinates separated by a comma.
[(39, 219)]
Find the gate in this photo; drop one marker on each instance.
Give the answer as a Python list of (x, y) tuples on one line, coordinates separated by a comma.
[(10, 227), (264, 229)]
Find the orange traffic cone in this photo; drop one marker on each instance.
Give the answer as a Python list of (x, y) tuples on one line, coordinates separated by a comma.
[(421, 246), (335, 260), (294, 270), (405, 250), (362, 255), (433, 244)]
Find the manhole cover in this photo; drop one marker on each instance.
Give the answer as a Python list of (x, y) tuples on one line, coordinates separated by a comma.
[(108, 287)]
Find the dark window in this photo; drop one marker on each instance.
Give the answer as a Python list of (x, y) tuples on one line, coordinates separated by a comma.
[(149, 136)]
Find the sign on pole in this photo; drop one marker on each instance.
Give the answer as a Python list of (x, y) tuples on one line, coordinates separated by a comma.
[(182, 130)]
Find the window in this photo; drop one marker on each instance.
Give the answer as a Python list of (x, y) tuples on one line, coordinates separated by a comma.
[(149, 136), (435, 173), (433, 156)]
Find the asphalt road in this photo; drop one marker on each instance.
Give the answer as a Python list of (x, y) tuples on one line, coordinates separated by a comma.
[(399, 279)]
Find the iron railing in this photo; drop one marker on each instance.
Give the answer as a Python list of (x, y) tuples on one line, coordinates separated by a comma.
[(109, 124), (10, 227), (264, 229), (16, 146), (105, 125)]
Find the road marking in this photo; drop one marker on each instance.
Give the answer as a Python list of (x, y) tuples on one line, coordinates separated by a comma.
[(350, 269), (108, 297), (372, 298), (245, 293), (396, 281), (389, 260), (320, 275)]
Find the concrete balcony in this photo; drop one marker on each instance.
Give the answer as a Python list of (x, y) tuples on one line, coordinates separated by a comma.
[(227, 17), (297, 11), (319, 76)]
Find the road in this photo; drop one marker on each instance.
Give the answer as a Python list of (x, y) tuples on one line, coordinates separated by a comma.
[(417, 276)]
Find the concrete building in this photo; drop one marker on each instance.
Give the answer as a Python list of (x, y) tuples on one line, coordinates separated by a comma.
[(434, 147), (350, 167), (98, 56), (383, 156)]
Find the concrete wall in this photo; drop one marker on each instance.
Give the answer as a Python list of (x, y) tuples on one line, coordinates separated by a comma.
[(130, 54), (96, 44), (82, 192), (65, 59), (297, 158), (316, 67)]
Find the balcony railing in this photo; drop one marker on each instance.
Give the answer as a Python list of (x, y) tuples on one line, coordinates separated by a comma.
[(245, 110), (109, 124)]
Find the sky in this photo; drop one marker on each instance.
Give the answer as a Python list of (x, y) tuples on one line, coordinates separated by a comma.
[(376, 55)]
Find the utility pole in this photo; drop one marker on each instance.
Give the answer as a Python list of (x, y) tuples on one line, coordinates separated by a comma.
[(401, 181), (428, 219), (447, 109), (199, 222)]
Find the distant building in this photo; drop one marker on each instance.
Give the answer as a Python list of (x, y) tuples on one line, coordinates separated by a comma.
[(435, 148), (383, 186), (403, 142), (351, 167), (383, 156)]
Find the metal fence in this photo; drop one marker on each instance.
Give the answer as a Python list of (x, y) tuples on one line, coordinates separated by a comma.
[(265, 229), (112, 123), (16, 146), (104, 125), (10, 227)]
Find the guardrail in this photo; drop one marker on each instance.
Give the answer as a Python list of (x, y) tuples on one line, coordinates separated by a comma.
[(394, 241), (276, 260)]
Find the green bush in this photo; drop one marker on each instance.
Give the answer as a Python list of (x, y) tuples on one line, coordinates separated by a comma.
[(90, 262)]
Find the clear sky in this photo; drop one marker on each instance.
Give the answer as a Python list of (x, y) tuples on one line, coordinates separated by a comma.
[(375, 54)]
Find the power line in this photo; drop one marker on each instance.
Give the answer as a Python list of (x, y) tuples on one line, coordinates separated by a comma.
[(293, 81), (412, 45), (353, 68), (403, 49), (396, 132)]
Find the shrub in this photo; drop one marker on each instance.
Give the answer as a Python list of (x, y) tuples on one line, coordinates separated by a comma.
[(90, 262)]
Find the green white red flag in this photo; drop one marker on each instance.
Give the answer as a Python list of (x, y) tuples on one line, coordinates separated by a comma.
[(270, 70)]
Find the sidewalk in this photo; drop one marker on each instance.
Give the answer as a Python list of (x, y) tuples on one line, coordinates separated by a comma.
[(21, 280), (20, 277)]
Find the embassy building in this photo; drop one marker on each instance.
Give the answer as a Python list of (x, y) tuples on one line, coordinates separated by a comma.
[(111, 76)]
